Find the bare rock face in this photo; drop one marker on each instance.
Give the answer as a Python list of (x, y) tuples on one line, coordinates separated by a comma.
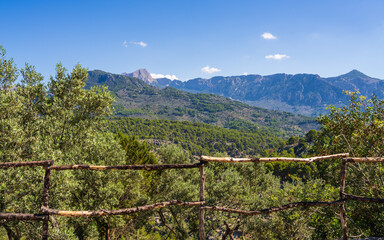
[(142, 74)]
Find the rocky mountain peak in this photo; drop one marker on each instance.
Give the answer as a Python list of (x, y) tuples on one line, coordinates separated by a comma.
[(354, 74), (142, 74)]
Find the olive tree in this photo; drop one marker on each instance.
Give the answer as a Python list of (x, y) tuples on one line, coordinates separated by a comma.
[(63, 122), (357, 128)]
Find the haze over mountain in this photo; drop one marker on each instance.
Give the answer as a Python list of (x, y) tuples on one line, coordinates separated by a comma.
[(306, 94)]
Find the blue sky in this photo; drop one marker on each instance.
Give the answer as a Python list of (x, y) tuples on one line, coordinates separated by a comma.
[(191, 39)]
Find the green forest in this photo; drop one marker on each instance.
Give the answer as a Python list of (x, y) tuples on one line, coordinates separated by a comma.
[(69, 123), (198, 138)]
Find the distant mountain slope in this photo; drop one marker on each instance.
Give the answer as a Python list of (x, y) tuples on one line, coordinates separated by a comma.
[(356, 80), (306, 94), (135, 98), (115, 82)]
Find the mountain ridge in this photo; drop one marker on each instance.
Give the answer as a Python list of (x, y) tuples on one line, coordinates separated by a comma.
[(303, 93), (307, 94), (135, 98)]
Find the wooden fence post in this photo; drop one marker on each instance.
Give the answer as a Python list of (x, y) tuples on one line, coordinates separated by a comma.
[(202, 198), (343, 215), (45, 234)]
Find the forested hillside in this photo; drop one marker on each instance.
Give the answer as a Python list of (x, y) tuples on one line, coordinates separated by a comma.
[(199, 138), (135, 98)]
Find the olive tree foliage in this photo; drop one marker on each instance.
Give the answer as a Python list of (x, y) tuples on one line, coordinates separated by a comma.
[(357, 128), (180, 184), (251, 187), (39, 124), (245, 186), (62, 122)]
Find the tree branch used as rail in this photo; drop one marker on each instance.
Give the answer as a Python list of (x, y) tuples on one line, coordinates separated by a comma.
[(362, 199), (25, 164), (147, 167), (96, 213), (276, 159), (274, 209), (22, 216)]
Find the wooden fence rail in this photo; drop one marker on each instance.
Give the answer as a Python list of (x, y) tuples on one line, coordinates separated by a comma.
[(46, 211), (25, 164), (275, 209), (126, 211), (148, 167), (275, 159)]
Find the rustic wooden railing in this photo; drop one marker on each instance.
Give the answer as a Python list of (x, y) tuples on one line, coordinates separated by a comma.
[(204, 161)]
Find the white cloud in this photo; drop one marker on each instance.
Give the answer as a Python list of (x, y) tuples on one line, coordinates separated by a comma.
[(172, 77), (277, 56), (245, 74), (209, 70), (268, 35), (125, 44), (142, 44)]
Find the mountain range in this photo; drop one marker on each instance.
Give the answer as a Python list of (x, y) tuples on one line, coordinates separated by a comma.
[(235, 101), (307, 94), (136, 98)]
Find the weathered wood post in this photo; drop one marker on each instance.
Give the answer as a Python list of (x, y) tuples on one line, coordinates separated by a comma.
[(202, 198), (343, 215), (46, 199)]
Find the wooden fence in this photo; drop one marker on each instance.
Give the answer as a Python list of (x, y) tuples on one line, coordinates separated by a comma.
[(46, 211)]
